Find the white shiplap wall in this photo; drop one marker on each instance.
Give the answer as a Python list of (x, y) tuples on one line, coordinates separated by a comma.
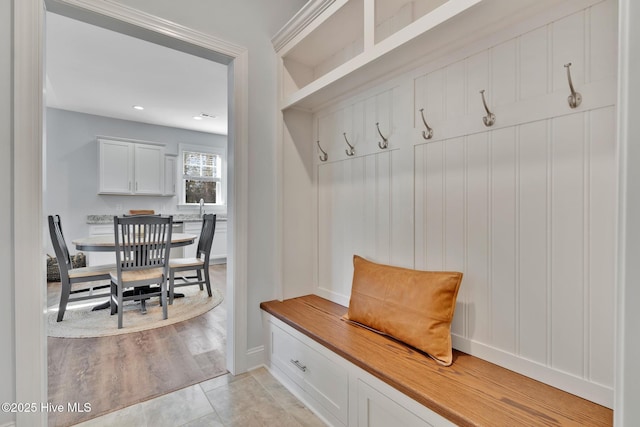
[(526, 208)]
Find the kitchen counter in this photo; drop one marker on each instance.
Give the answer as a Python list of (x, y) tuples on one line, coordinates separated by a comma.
[(108, 219)]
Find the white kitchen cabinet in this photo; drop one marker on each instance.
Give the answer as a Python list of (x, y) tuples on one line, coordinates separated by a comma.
[(218, 254), (115, 167), (170, 174), (100, 258), (149, 169), (192, 228), (130, 168)]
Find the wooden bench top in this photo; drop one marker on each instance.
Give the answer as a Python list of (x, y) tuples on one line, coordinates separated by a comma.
[(470, 392)]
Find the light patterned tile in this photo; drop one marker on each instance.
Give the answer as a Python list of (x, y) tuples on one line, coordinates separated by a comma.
[(129, 416), (246, 403), (210, 420), (221, 381), (291, 404), (177, 408)]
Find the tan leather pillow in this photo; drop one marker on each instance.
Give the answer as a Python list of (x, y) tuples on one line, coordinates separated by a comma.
[(415, 307)]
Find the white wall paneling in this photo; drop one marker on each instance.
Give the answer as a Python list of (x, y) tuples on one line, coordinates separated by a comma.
[(354, 217), (298, 204), (525, 208), (364, 201)]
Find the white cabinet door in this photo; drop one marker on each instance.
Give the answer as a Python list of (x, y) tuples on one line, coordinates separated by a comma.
[(149, 169), (192, 228), (377, 410), (128, 168), (314, 371), (170, 175), (218, 254), (115, 167)]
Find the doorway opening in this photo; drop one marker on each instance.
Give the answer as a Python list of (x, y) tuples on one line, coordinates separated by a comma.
[(97, 81), (30, 344)]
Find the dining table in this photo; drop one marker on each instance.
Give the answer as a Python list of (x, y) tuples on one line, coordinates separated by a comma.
[(107, 243)]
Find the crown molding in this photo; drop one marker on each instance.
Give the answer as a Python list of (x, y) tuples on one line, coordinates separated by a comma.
[(138, 18), (300, 20)]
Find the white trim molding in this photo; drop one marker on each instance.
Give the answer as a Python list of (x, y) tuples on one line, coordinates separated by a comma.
[(626, 411), (299, 22), (30, 292), (255, 358)]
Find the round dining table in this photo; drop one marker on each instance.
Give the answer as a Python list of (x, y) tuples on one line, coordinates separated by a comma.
[(106, 242)]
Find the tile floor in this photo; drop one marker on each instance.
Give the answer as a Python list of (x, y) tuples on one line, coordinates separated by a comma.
[(247, 400)]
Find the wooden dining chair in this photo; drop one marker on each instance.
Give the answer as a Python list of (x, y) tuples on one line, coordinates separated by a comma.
[(142, 244), (70, 277), (199, 264)]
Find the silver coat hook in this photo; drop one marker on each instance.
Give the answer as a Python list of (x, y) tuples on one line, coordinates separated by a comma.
[(575, 98), (384, 144), (426, 134), (490, 118), (324, 156), (352, 150)]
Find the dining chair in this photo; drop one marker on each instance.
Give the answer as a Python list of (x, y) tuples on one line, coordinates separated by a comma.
[(70, 276), (199, 264), (142, 244)]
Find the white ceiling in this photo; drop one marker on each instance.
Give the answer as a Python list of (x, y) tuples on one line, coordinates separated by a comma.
[(97, 71)]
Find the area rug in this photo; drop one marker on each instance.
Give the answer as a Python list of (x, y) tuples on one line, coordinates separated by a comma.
[(80, 322)]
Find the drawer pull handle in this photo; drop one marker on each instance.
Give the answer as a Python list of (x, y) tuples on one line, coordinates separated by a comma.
[(299, 365)]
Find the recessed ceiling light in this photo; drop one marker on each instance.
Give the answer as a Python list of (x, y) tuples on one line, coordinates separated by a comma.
[(204, 116), (138, 107)]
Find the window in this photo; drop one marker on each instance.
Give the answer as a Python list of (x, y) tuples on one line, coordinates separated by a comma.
[(202, 175)]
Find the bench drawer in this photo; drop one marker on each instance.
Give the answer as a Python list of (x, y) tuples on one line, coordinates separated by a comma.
[(377, 410), (288, 354), (324, 380)]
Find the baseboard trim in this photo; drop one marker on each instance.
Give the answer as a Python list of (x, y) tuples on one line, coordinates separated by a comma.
[(255, 358), (600, 394)]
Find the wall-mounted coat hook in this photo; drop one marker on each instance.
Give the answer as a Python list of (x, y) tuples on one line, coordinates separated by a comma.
[(352, 150), (426, 134), (384, 143), (324, 156), (490, 118), (575, 98)]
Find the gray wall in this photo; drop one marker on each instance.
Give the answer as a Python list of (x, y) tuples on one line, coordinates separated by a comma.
[(71, 160), (7, 359)]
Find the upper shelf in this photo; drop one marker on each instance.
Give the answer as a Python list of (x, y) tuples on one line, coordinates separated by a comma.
[(333, 46)]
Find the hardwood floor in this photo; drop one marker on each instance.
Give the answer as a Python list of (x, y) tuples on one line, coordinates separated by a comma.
[(110, 373)]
